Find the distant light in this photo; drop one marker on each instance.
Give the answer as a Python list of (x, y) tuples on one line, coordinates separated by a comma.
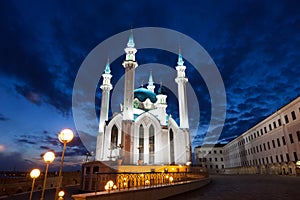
[(115, 187), (298, 163), (2, 147), (110, 184), (35, 173), (61, 193)]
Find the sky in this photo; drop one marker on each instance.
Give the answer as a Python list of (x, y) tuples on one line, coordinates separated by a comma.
[(254, 44)]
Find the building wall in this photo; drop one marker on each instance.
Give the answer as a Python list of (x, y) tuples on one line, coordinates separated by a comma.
[(210, 158), (270, 147)]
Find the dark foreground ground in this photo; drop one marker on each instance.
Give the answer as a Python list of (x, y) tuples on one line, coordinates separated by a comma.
[(241, 187), (227, 187)]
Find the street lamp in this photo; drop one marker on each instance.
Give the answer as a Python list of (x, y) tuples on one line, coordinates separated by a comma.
[(34, 174), (48, 158), (61, 195), (65, 136)]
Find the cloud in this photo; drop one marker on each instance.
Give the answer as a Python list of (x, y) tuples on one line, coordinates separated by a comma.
[(3, 118)]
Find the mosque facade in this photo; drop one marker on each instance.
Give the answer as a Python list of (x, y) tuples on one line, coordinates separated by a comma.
[(143, 133)]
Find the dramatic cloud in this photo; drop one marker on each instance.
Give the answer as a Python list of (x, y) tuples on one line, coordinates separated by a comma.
[(255, 45)]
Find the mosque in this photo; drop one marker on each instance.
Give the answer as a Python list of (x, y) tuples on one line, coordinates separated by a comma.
[(143, 133)]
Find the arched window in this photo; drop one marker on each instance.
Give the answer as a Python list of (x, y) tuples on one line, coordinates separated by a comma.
[(151, 144), (172, 157), (141, 142), (114, 137)]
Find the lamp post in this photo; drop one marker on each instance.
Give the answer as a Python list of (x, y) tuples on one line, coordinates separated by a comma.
[(65, 136), (48, 158), (34, 174)]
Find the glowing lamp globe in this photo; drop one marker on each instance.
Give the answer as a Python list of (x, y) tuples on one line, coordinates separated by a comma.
[(66, 135), (35, 173), (110, 184), (61, 193), (49, 157)]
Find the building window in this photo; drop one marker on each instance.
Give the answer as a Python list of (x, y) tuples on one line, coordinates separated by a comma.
[(151, 144), (210, 159), (221, 152), (267, 160), (222, 159), (283, 140), (210, 166), (260, 147), (172, 155), (298, 135), (216, 159), (269, 146), (265, 147), (215, 152), (217, 166), (261, 132), (281, 157), (257, 133), (293, 115), (274, 124), (257, 149), (295, 156), (222, 166), (270, 127), (278, 142), (286, 118), (287, 157), (141, 142), (279, 122), (273, 142), (277, 159), (114, 138), (291, 138), (265, 128), (271, 158)]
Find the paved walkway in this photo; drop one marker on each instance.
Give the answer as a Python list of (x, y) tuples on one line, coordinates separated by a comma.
[(254, 187)]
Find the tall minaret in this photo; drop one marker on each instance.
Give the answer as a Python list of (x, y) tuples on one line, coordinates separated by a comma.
[(105, 87), (129, 64), (150, 85), (127, 123), (181, 80)]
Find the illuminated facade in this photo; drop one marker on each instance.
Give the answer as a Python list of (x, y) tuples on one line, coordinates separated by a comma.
[(143, 132), (210, 157), (270, 147)]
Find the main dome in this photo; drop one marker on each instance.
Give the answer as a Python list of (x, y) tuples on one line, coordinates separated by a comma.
[(142, 94)]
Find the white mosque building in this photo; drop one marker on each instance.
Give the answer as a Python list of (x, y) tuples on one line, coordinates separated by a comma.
[(143, 133)]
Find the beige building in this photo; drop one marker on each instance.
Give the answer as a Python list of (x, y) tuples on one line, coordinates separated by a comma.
[(210, 157), (270, 147)]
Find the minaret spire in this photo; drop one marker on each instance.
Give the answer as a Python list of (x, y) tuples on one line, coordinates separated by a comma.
[(181, 80), (151, 86), (105, 87), (127, 123)]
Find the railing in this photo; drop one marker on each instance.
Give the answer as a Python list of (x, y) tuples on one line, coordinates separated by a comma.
[(126, 180)]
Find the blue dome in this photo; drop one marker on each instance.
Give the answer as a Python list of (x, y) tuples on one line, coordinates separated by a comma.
[(142, 94)]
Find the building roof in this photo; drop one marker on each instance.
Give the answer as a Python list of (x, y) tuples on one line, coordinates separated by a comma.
[(142, 94)]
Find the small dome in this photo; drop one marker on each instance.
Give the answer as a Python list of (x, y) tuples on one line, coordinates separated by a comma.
[(142, 94)]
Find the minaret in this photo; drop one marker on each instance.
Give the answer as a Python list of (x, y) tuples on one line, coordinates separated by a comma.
[(129, 64), (105, 87), (181, 80), (127, 123), (150, 85), (161, 105)]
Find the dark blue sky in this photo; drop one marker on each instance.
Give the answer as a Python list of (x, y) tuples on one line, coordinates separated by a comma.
[(255, 45)]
